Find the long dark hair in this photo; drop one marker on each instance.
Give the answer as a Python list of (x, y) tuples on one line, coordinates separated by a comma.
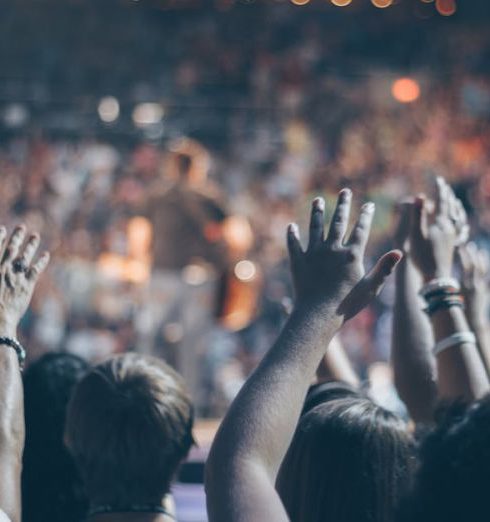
[(350, 461)]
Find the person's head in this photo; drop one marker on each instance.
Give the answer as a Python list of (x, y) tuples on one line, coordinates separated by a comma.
[(453, 480), (350, 461), (323, 392), (129, 426), (51, 486)]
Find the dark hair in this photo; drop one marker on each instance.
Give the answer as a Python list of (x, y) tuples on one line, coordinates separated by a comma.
[(350, 461), (51, 487), (328, 391), (453, 480), (129, 426)]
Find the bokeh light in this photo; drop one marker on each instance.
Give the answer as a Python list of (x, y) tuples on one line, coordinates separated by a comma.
[(245, 270), (341, 3), (300, 2), (146, 114), (405, 90), (108, 109), (446, 7), (382, 3)]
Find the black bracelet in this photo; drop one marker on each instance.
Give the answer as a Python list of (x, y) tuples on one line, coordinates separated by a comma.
[(443, 305), (19, 349)]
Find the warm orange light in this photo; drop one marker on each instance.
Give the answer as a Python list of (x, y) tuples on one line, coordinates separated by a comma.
[(446, 7), (382, 3), (405, 90), (341, 3), (300, 2)]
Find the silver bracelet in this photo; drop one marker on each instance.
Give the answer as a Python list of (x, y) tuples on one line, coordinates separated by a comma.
[(453, 340), (19, 349)]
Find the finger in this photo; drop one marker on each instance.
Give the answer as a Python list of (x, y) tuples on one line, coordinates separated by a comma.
[(14, 243), (30, 249), (461, 215), (418, 220), (442, 197), (483, 262), (472, 251), (340, 218), (294, 246), (382, 269), (360, 234), (316, 223), (464, 258), (3, 237), (38, 267)]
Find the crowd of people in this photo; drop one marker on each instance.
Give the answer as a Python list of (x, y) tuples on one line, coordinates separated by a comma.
[(302, 440), (214, 263), (297, 112)]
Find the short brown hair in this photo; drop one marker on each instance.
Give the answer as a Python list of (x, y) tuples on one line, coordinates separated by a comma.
[(129, 426)]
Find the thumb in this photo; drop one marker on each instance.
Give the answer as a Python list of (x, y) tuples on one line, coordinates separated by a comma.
[(376, 278), (418, 219)]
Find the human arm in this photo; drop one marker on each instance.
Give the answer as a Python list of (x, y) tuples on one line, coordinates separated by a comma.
[(16, 288), (433, 238), (330, 287), (412, 339), (336, 365), (475, 269)]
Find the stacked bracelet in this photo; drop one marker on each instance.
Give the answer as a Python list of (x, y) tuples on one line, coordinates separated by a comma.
[(13, 343), (441, 294), (453, 340)]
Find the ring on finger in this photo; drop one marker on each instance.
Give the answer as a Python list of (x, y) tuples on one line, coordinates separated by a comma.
[(19, 266)]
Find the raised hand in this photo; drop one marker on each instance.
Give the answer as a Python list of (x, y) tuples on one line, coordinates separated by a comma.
[(434, 235), (331, 270), (18, 275)]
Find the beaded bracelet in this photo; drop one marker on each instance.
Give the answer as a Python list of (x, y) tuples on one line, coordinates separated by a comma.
[(19, 349), (444, 303)]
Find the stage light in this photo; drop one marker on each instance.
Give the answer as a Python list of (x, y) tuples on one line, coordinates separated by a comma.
[(341, 3), (446, 7), (382, 3), (405, 90), (108, 109), (245, 270), (147, 114)]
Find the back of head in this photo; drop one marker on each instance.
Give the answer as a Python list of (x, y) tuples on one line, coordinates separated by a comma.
[(129, 426), (51, 487), (452, 483), (350, 461)]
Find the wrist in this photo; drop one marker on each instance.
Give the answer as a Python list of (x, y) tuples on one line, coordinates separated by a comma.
[(436, 274), (325, 311), (8, 329)]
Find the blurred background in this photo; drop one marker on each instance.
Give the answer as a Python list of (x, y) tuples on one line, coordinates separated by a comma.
[(161, 147)]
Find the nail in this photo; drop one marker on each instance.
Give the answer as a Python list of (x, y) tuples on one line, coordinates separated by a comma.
[(319, 204), (293, 229)]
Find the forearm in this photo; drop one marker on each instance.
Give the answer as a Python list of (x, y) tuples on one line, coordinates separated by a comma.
[(260, 424), (412, 341), (461, 373), (336, 366), (479, 325), (11, 429)]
